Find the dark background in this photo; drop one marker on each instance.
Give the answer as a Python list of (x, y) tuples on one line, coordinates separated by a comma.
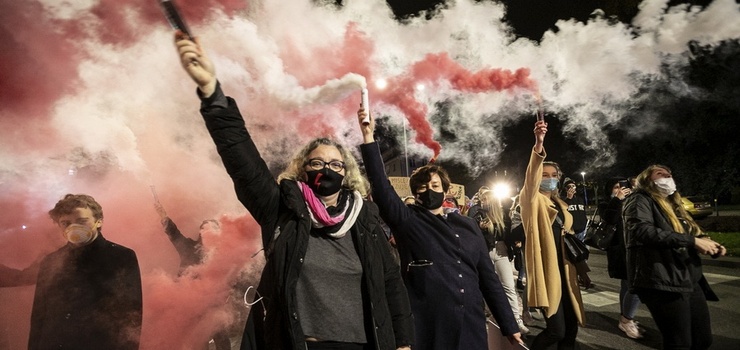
[(699, 139)]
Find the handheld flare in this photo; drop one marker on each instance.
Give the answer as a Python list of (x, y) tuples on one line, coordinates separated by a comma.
[(154, 193), (173, 16), (364, 104)]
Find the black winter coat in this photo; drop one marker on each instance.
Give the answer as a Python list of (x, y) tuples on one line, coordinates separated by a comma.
[(87, 297), (447, 269), (657, 257), (616, 253), (285, 223)]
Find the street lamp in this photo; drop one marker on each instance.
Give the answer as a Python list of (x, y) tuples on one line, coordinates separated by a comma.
[(585, 196)]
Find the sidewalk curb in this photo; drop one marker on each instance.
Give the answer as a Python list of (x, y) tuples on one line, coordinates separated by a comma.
[(725, 261)]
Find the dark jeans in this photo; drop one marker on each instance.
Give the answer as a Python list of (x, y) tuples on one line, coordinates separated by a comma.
[(333, 345), (682, 318), (562, 327)]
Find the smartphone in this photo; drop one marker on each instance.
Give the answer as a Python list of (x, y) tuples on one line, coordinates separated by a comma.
[(364, 104), (625, 184)]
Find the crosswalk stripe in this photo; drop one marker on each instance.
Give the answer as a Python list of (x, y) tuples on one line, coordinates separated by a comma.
[(601, 298), (714, 278)]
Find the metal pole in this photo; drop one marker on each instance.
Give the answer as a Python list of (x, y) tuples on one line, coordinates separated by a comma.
[(585, 195), (405, 149)]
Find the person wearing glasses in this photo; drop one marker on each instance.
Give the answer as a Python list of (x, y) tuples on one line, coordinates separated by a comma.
[(330, 281), (446, 266)]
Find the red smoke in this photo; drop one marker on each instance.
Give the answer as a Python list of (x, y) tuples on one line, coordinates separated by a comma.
[(435, 67), (191, 308)]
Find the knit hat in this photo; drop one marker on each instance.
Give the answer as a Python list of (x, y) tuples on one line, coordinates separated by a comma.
[(568, 181)]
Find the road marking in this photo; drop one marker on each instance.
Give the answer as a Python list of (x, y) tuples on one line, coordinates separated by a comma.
[(599, 299), (714, 278)]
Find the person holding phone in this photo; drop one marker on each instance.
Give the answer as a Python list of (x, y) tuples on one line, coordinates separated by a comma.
[(618, 189), (663, 264)]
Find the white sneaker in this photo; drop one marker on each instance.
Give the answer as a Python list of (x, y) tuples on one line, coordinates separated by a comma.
[(629, 328), (527, 318), (522, 328)]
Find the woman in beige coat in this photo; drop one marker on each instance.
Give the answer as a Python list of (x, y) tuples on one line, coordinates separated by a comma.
[(552, 279)]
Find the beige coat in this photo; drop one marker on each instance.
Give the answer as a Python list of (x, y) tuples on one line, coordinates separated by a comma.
[(543, 277)]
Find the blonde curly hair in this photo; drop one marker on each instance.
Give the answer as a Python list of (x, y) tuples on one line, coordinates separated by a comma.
[(353, 179)]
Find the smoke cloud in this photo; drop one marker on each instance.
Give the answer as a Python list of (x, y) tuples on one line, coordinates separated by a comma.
[(94, 101)]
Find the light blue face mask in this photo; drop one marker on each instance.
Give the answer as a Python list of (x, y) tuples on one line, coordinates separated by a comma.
[(549, 185)]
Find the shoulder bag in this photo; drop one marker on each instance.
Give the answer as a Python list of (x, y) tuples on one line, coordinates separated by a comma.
[(575, 250), (599, 234)]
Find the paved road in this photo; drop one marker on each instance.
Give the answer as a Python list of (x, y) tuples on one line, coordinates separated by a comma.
[(602, 312)]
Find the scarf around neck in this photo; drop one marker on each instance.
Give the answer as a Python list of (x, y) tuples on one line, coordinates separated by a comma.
[(349, 210)]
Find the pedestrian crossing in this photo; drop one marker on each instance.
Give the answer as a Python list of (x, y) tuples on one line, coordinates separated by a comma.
[(601, 298), (714, 278)]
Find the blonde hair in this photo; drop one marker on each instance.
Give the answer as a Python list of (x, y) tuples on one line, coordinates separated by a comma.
[(353, 179), (671, 205), (495, 213), (556, 193)]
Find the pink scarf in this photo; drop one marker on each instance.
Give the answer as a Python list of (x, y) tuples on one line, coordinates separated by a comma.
[(317, 207)]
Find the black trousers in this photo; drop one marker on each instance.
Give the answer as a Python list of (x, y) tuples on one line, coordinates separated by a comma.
[(331, 345), (561, 328), (682, 318)]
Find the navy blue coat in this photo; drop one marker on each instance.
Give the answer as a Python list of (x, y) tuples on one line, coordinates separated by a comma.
[(446, 267)]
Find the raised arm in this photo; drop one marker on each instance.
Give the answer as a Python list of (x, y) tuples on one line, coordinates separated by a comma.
[(196, 63), (533, 175), (254, 184), (392, 209)]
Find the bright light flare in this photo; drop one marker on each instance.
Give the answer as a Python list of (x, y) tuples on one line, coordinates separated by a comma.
[(502, 190), (381, 84), (420, 87)]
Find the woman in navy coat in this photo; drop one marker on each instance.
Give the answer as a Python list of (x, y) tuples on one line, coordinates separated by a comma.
[(444, 259)]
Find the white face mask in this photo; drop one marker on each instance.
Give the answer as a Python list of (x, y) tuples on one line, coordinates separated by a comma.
[(666, 185), (79, 234)]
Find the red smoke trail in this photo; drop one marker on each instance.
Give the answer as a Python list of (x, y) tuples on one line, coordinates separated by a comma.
[(435, 67), (187, 311)]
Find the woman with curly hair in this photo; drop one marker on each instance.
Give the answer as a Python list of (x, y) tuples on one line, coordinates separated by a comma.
[(330, 281)]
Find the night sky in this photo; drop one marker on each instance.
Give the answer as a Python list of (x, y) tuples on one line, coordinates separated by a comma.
[(94, 100), (698, 144)]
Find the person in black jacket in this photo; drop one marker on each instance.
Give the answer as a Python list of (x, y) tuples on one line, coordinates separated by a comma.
[(191, 253), (330, 280), (446, 265), (617, 189), (663, 263), (88, 293)]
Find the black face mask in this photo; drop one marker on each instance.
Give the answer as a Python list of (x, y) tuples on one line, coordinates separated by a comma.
[(324, 182), (430, 199)]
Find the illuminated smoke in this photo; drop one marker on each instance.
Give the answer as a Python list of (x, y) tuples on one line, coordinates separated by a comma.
[(440, 69), (95, 87)]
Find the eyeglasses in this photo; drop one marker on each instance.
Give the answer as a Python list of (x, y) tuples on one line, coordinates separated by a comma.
[(318, 164)]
